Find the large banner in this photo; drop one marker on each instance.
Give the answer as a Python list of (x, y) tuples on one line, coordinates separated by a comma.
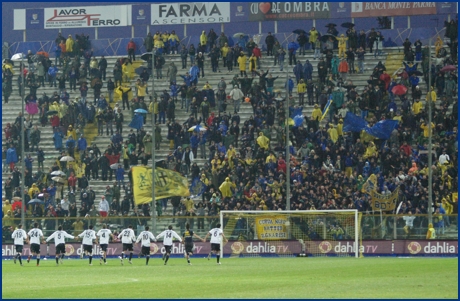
[(190, 13), (168, 183), (271, 227), (384, 202), (271, 11), (87, 16), (388, 9)]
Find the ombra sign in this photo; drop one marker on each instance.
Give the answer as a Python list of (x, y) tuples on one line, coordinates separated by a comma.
[(190, 13)]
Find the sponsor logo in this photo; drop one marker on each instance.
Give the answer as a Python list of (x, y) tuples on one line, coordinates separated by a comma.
[(237, 247), (239, 11), (325, 247), (288, 10), (356, 7), (153, 248), (341, 4), (141, 14), (77, 17), (342, 8), (184, 13), (34, 16), (440, 248), (34, 19), (414, 247)]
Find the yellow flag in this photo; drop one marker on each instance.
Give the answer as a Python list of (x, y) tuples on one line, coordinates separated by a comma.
[(455, 197), (370, 185), (384, 202), (168, 183)]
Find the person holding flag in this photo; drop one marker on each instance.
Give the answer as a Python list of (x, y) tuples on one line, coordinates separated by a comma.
[(326, 109)]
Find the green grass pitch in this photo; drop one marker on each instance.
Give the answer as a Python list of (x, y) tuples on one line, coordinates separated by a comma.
[(316, 277)]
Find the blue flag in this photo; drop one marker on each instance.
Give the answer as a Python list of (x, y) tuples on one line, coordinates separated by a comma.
[(197, 187), (381, 129), (353, 123), (326, 108)]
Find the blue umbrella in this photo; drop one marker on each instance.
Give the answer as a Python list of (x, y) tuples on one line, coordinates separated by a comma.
[(35, 201), (140, 111)]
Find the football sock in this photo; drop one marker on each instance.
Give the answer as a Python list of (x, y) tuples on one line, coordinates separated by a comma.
[(20, 259), (57, 259), (104, 259), (188, 260), (62, 256), (90, 259), (218, 258), (147, 259), (122, 255), (167, 258), (130, 256), (38, 259)]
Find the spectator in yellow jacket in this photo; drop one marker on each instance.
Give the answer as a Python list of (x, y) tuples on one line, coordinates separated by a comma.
[(438, 44), (342, 45), (371, 151), (340, 128), (242, 63), (333, 135), (301, 90), (432, 95), (226, 188), (316, 113), (426, 130), (263, 141), (417, 107), (71, 132), (69, 45), (203, 38)]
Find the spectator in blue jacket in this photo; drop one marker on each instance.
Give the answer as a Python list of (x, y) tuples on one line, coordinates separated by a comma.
[(70, 145), (292, 49), (52, 73), (52, 193), (307, 70), (28, 162), (120, 175), (81, 145), (194, 141), (11, 157), (290, 85)]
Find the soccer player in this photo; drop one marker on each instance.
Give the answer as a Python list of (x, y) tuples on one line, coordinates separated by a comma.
[(88, 236), (146, 237), (168, 241), (19, 236), (188, 242), (59, 241), (35, 237), (216, 234), (104, 235), (127, 238)]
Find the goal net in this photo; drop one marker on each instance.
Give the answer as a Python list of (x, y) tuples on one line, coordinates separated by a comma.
[(292, 233)]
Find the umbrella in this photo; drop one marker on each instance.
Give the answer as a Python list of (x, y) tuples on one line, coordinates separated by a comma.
[(140, 111), (299, 31), (43, 53), (18, 57), (416, 72), (399, 90), (330, 24), (38, 58), (197, 128), (16, 198), (326, 37), (114, 166), (298, 120), (146, 56), (348, 25), (49, 113), (58, 179), (58, 173), (66, 159), (95, 81), (141, 69), (35, 201), (238, 34), (449, 68), (349, 87)]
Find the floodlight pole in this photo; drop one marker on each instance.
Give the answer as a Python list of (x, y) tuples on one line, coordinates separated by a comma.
[(23, 173), (154, 204), (288, 157), (430, 142)]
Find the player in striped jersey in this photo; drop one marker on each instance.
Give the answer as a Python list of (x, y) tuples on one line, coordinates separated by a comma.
[(216, 236), (146, 237), (19, 235), (35, 237), (127, 238), (188, 242), (104, 235), (59, 241), (168, 241), (88, 236)]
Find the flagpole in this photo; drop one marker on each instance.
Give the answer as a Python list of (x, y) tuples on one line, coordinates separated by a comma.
[(288, 157), (23, 173), (154, 204), (430, 142)]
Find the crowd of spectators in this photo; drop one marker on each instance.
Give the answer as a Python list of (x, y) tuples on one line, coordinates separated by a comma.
[(245, 161)]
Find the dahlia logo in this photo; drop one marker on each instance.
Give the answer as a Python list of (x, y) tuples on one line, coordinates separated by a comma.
[(153, 249), (325, 247), (414, 247), (69, 250), (237, 247)]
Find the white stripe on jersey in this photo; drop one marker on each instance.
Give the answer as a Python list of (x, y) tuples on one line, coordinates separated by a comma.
[(19, 235), (35, 235), (168, 237), (127, 236), (216, 235), (146, 236), (88, 236), (104, 236), (59, 237)]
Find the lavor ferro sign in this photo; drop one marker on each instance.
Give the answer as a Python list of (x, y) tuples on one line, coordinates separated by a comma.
[(190, 13), (87, 16)]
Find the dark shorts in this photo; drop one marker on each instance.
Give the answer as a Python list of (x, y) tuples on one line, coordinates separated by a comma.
[(104, 247), (60, 249), (128, 247), (88, 248), (35, 248), (168, 249), (189, 248), (145, 250), (19, 248), (215, 247)]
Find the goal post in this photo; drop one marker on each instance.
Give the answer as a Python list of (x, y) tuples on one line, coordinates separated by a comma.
[(292, 233)]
